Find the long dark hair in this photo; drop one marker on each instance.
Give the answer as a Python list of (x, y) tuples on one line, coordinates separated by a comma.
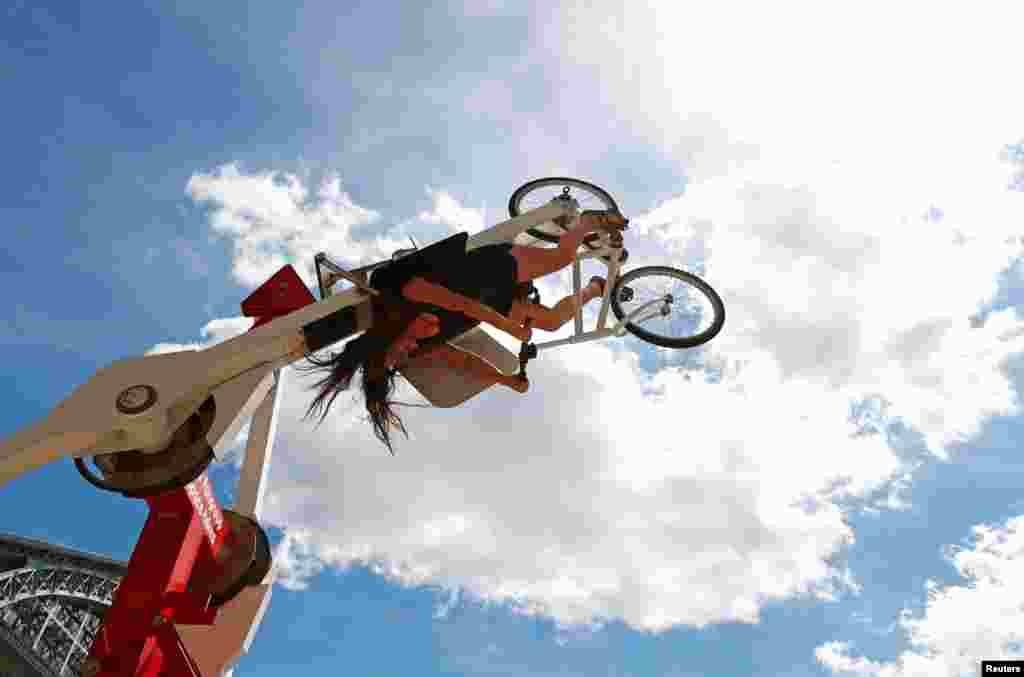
[(391, 317)]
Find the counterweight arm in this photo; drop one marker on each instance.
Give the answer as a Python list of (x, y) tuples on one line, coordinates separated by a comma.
[(139, 403)]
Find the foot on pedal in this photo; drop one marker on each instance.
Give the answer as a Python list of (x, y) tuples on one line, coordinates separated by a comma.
[(605, 219)]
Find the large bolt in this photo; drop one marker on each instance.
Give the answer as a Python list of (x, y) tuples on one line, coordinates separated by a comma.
[(136, 399)]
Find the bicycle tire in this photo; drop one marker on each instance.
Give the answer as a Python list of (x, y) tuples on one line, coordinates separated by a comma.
[(662, 341), (520, 192)]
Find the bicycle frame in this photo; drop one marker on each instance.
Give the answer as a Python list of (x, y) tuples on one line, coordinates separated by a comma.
[(614, 265), (601, 331)]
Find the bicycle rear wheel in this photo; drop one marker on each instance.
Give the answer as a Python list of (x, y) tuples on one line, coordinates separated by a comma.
[(540, 192), (691, 312)]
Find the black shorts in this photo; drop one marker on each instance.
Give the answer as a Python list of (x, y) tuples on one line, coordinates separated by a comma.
[(494, 272), (488, 274)]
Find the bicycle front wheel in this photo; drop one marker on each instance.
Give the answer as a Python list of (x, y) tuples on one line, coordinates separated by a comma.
[(689, 313)]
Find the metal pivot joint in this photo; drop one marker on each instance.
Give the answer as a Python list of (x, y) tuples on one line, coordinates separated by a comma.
[(136, 399)]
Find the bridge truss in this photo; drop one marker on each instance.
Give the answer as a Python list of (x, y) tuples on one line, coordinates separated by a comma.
[(52, 602)]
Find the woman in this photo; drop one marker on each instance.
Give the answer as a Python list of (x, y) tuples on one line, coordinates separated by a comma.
[(437, 294)]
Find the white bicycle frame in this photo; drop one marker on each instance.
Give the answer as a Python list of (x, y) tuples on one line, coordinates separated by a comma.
[(507, 231), (601, 330)]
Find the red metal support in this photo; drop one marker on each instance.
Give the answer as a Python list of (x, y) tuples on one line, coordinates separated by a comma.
[(179, 553), (175, 555), (283, 293)]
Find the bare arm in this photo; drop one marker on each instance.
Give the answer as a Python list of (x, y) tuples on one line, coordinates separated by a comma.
[(422, 291)]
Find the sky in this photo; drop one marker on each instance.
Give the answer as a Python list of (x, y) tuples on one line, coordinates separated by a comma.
[(830, 487)]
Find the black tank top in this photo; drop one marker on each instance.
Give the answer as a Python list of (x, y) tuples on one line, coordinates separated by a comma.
[(487, 274)]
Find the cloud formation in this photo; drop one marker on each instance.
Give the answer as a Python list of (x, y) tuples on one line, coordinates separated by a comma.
[(878, 306), (212, 333), (273, 218), (980, 618)]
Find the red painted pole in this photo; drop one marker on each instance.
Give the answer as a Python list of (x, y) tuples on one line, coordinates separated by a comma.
[(179, 544)]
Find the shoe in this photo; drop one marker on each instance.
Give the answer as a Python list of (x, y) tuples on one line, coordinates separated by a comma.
[(607, 220)]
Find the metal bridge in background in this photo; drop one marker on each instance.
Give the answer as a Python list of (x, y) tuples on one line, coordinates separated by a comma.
[(52, 601)]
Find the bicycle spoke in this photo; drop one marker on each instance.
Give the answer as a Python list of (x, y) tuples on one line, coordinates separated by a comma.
[(541, 192), (690, 311)]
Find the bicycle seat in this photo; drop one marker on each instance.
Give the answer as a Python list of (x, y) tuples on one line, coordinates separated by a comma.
[(445, 387)]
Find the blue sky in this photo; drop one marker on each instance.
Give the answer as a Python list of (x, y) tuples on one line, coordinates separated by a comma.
[(854, 208)]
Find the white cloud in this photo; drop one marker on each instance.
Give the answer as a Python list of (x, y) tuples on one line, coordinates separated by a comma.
[(961, 624), (851, 205), (836, 657), (294, 563), (273, 219), (448, 211), (796, 84), (212, 333), (658, 512), (861, 303)]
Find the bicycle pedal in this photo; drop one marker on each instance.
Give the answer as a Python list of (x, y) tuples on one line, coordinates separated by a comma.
[(608, 218)]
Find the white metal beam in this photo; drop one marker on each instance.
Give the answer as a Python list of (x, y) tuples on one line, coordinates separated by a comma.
[(252, 483), (88, 421)]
